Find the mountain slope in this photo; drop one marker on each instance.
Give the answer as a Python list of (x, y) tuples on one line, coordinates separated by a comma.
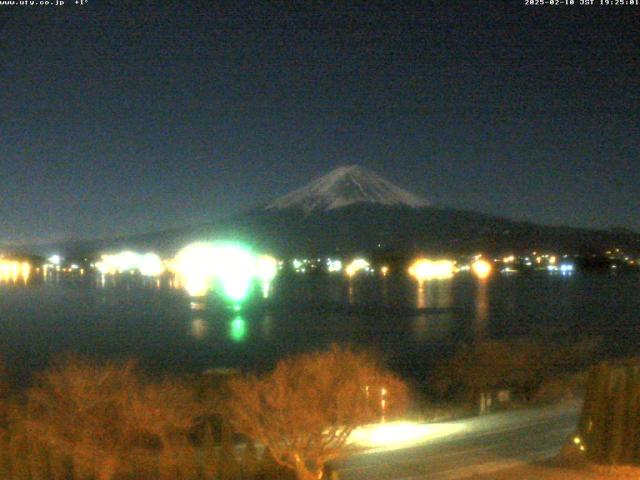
[(367, 227), (347, 186), (354, 210)]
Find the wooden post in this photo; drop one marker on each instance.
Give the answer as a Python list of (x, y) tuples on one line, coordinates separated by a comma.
[(609, 427)]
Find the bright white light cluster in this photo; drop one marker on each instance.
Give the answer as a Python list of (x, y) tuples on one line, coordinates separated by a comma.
[(200, 266), (357, 265), (267, 268), (566, 267), (266, 271), (424, 269), (14, 270), (194, 268), (396, 435), (148, 264), (563, 268), (334, 265)]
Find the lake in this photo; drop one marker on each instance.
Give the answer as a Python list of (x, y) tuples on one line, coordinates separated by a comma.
[(166, 331)]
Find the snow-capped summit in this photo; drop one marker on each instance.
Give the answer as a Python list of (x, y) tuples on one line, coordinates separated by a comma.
[(345, 186)]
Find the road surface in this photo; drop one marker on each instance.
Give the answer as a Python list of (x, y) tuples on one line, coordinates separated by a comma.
[(476, 445)]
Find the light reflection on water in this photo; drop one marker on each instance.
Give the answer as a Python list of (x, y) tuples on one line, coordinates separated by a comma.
[(198, 328), (434, 301), (267, 324), (146, 318), (482, 310), (432, 327), (238, 329), (421, 295)]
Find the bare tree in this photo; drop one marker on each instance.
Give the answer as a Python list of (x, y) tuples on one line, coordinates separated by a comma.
[(78, 408), (521, 364), (109, 421), (166, 412), (305, 409)]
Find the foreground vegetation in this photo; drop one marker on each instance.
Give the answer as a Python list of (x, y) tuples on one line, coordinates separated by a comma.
[(531, 370), (85, 420)]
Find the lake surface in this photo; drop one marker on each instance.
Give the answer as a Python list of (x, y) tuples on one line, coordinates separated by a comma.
[(161, 327)]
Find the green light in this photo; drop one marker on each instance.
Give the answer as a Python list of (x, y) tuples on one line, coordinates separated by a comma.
[(237, 308), (238, 329), (229, 269), (236, 285)]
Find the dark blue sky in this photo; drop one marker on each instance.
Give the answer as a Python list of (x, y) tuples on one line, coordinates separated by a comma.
[(122, 117)]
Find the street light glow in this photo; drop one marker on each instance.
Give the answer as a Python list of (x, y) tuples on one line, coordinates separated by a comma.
[(402, 434), (356, 266), (481, 269)]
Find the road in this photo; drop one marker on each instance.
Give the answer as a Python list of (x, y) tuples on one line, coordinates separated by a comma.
[(466, 447)]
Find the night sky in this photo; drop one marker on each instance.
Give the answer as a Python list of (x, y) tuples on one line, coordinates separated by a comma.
[(125, 117)]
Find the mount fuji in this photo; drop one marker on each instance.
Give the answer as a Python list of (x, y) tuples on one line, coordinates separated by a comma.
[(347, 186), (351, 210)]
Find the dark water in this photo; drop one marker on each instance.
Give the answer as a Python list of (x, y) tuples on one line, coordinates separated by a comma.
[(411, 329)]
